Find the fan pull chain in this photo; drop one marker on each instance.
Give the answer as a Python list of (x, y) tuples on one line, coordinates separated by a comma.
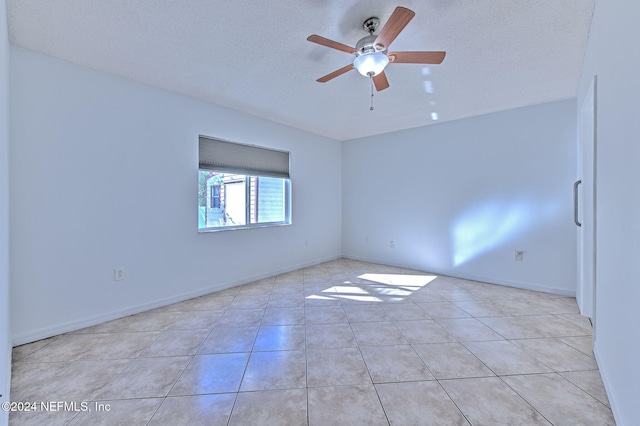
[(371, 79)]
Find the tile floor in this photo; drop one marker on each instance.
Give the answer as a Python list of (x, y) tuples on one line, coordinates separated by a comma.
[(343, 342)]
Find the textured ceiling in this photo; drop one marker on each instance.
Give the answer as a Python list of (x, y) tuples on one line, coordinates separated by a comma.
[(253, 56)]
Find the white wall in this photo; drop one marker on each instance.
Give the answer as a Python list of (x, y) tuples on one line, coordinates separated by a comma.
[(5, 340), (460, 197), (104, 175), (612, 55)]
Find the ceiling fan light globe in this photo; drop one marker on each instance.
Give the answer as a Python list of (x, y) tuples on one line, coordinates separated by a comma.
[(371, 63)]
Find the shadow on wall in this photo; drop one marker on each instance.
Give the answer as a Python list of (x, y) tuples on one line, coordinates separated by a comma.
[(492, 223)]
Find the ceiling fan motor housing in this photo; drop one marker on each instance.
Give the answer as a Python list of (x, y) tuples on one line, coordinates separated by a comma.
[(367, 44)]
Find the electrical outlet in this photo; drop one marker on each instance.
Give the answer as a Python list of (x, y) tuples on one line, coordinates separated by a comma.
[(118, 274), (518, 255), (392, 244)]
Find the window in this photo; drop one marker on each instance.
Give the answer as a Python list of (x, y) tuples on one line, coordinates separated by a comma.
[(242, 186), (215, 196)]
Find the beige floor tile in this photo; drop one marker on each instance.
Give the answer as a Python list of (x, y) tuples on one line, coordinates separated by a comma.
[(418, 403), (505, 358), (329, 336), (590, 382), (520, 327), (145, 378), (424, 331), (297, 288), (454, 294), (579, 320), (229, 339), (480, 308), (176, 343), (286, 300), (560, 401), (84, 380), (557, 355), (468, 329), (394, 364), (275, 370), (280, 338), (377, 333), (195, 410), (217, 373), (122, 345), (20, 352), (333, 367), (443, 310), (35, 380), (283, 316), (192, 320), (517, 307), (345, 405), (150, 321), (249, 302), (365, 313), (69, 347), (241, 318), (325, 315), (425, 295), (273, 408), (489, 401), (559, 305), (451, 361), (582, 343), (118, 412), (405, 312)]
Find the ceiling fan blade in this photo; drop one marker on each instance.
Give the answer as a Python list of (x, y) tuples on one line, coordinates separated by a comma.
[(330, 43), (380, 81), (417, 57), (335, 74), (396, 23)]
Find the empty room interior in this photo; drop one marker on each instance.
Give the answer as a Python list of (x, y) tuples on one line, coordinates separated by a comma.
[(342, 212)]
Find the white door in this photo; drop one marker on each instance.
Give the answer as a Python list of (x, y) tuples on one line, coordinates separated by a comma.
[(585, 202)]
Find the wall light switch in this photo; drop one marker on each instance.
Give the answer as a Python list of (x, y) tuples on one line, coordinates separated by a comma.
[(518, 255)]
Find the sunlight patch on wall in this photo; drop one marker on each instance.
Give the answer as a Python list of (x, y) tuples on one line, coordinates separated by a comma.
[(487, 226)]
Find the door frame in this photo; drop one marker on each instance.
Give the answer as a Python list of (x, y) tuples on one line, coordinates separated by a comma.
[(586, 233)]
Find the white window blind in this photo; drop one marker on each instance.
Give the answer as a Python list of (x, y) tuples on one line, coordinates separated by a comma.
[(230, 157)]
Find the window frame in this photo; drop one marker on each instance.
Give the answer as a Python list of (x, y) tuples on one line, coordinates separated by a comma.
[(248, 175)]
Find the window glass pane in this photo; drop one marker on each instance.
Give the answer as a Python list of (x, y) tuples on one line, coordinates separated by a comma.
[(235, 202), (271, 200), (227, 200)]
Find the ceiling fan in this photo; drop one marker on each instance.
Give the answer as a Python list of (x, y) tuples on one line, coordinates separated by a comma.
[(371, 55)]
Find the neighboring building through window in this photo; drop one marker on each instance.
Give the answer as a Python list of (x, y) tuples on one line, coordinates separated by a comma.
[(242, 186)]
